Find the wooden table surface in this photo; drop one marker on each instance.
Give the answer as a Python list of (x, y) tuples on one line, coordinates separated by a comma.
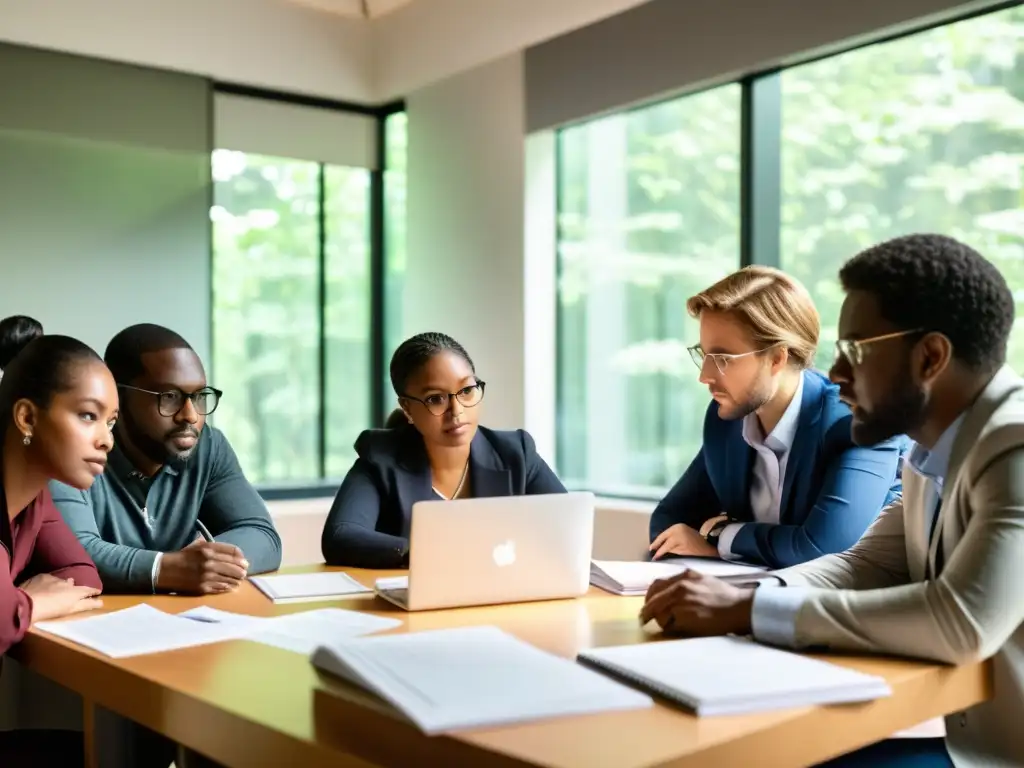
[(244, 704)]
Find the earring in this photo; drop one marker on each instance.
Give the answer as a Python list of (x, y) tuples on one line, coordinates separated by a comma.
[(27, 439)]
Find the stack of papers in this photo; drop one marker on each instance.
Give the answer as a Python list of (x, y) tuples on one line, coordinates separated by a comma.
[(622, 577), (299, 632), (139, 630), (308, 587), (450, 679), (733, 675)]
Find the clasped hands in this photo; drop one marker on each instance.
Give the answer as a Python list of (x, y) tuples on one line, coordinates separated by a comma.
[(203, 568), (691, 603)]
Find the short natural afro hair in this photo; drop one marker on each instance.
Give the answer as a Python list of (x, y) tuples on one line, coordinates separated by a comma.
[(938, 284), (124, 353)]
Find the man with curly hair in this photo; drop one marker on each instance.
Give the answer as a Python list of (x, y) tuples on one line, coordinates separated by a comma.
[(922, 347)]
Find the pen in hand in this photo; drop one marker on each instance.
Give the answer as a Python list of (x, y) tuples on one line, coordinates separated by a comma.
[(205, 535)]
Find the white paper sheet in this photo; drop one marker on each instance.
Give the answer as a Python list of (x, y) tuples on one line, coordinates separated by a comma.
[(139, 630), (300, 632)]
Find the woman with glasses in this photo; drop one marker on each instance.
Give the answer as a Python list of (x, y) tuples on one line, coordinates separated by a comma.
[(440, 452), (58, 405), (778, 480)]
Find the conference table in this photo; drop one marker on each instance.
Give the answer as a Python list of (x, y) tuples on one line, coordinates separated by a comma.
[(245, 704)]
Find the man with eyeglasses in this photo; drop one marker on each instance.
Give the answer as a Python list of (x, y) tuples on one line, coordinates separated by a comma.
[(778, 480), (923, 338), (173, 512)]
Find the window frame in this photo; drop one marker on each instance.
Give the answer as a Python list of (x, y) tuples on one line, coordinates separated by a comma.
[(323, 485)]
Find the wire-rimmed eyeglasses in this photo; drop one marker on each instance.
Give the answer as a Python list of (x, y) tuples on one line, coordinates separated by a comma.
[(720, 359), (854, 349)]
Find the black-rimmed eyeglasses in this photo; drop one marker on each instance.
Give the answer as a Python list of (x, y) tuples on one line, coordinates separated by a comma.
[(170, 402), (437, 404)]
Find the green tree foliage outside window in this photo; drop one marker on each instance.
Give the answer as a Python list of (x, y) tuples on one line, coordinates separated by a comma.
[(266, 277), (924, 133)]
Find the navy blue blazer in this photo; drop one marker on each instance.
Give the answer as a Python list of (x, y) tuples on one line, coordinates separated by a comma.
[(831, 493), (368, 525)]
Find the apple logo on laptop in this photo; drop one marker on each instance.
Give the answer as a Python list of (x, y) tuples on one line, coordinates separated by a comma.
[(505, 554)]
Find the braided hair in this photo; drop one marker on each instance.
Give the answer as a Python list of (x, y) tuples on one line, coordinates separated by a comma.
[(417, 350)]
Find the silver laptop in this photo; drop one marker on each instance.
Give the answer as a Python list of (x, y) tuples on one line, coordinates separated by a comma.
[(505, 549)]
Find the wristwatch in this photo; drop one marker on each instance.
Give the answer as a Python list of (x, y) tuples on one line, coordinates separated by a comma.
[(712, 529)]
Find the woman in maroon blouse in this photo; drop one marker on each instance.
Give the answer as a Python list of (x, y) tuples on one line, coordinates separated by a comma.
[(58, 404)]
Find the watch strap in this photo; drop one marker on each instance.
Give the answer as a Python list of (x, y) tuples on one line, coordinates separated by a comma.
[(716, 532), (709, 524)]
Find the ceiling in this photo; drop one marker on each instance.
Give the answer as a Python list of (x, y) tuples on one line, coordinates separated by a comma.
[(356, 9)]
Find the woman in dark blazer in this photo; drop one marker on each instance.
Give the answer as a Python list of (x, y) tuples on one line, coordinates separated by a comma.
[(439, 452)]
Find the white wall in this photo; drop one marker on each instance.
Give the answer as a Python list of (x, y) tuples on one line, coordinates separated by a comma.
[(428, 40), (300, 47), (266, 43), (88, 259), (465, 271), (104, 196)]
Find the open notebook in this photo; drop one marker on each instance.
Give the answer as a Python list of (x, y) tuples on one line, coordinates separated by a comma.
[(452, 679), (734, 675), (623, 577)]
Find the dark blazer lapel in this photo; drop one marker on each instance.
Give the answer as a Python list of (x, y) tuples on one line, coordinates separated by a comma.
[(487, 471), (804, 442), (412, 475)]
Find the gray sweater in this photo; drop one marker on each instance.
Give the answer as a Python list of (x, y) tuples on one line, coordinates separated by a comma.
[(125, 520)]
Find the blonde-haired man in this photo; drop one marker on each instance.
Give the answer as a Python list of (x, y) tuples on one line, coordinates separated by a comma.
[(778, 480)]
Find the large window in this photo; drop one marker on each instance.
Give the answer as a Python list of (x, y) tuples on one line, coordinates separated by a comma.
[(921, 134), (291, 313), (648, 215), (347, 318), (395, 141)]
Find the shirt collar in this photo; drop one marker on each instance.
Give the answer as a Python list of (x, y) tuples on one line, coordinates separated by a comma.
[(123, 468), (934, 464), (780, 440)]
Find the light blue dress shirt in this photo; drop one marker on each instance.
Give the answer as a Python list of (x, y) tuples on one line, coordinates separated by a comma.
[(768, 473), (775, 608)]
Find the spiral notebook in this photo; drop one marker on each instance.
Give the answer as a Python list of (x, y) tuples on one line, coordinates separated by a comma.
[(733, 675)]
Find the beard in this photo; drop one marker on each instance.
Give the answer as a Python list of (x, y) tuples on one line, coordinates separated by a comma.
[(903, 412), (755, 397), (162, 451)]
